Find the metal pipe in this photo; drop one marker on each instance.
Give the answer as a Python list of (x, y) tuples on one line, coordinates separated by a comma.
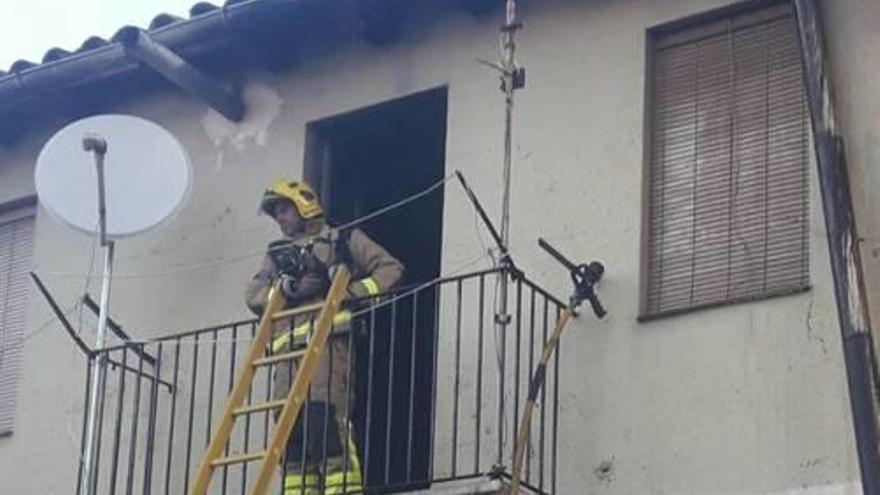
[(189, 38), (115, 327), (502, 319), (99, 372), (843, 245), (60, 314), (142, 47), (98, 147)]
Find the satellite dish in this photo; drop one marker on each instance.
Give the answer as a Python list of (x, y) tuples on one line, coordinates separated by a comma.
[(146, 174)]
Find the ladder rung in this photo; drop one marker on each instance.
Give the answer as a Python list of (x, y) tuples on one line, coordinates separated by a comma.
[(302, 310), (277, 358), (237, 459), (263, 406)]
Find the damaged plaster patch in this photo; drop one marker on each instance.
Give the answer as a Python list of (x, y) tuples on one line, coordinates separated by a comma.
[(262, 107), (605, 470)]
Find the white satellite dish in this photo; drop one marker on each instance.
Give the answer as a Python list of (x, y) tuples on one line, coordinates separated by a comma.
[(115, 175), (147, 175)]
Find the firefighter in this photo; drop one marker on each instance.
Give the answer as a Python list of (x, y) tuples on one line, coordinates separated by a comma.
[(302, 260)]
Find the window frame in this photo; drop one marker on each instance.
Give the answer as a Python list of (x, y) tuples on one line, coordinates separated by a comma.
[(13, 211), (652, 36)]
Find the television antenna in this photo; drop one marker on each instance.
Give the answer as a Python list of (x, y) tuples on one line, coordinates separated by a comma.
[(146, 180)]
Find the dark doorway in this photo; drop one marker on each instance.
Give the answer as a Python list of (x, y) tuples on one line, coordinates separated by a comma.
[(360, 162)]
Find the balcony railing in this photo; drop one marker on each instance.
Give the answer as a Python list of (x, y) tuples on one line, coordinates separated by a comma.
[(436, 394)]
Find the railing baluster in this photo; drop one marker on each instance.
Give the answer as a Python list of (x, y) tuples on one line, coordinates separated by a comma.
[(327, 401), (267, 396), (348, 400), (435, 349), (306, 426), (414, 333), (555, 408), (543, 402), (529, 378), (210, 416), (171, 421), (369, 428), (457, 378), (151, 425), (389, 391), (502, 372), (478, 400), (82, 437), (192, 410), (231, 382), (135, 420), (517, 365), (117, 430), (381, 437), (247, 425), (100, 435)]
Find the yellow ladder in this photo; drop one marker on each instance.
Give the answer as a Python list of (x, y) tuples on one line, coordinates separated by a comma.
[(291, 406)]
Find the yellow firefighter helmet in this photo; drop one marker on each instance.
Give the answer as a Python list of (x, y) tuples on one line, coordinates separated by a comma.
[(299, 193)]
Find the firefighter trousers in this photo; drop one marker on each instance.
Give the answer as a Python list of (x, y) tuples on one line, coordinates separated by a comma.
[(321, 455)]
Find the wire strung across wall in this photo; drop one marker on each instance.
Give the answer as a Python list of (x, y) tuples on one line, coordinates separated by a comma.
[(487, 253), (373, 307), (255, 254)]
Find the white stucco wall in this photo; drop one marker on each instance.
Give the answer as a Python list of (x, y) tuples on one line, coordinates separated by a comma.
[(745, 399), (854, 62)]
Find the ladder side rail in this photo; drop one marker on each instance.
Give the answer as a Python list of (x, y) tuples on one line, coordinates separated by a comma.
[(239, 391), (299, 389)]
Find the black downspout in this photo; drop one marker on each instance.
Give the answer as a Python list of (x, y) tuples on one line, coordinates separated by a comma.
[(843, 245)]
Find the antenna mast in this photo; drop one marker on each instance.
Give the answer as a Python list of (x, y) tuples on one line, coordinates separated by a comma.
[(98, 146), (513, 78)]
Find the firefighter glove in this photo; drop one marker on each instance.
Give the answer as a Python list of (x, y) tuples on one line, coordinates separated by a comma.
[(289, 285)]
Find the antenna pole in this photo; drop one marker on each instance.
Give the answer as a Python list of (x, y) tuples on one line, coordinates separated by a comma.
[(512, 78), (98, 146)]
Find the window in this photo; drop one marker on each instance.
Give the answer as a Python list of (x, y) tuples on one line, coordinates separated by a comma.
[(16, 239), (727, 178)]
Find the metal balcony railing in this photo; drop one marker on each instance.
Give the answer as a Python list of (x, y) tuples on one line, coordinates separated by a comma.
[(436, 394)]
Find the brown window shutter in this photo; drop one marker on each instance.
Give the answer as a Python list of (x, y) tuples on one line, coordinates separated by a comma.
[(728, 164), (16, 246)]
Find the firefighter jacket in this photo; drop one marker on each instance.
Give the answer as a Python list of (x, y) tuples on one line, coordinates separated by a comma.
[(373, 270)]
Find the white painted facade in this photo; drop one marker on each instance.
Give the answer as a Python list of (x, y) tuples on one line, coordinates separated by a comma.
[(750, 398)]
